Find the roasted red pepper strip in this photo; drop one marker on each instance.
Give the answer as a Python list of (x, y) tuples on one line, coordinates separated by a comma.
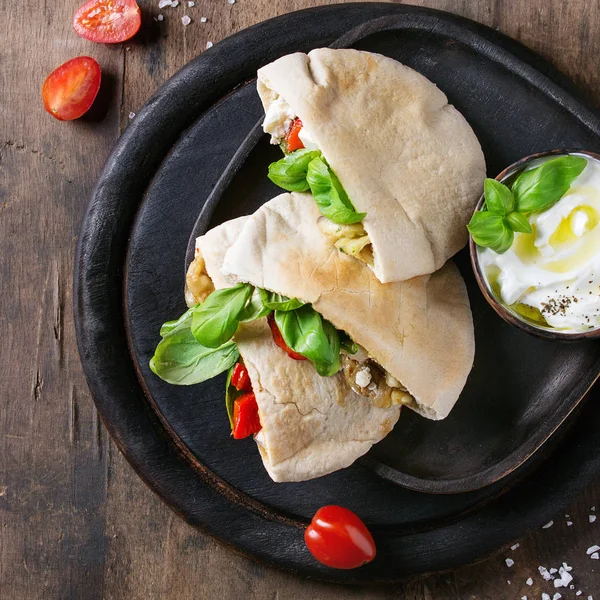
[(278, 339), (292, 138), (245, 416), (240, 379)]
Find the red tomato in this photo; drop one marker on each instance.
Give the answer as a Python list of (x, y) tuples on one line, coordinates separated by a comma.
[(245, 416), (108, 21), (240, 379), (278, 339), (292, 138), (71, 89), (337, 538)]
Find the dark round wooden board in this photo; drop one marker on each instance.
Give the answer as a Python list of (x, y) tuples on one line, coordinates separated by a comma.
[(129, 279)]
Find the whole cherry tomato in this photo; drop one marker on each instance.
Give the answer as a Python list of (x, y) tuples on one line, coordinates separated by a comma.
[(245, 416), (71, 89), (278, 339), (292, 137), (108, 21), (337, 538), (240, 379)]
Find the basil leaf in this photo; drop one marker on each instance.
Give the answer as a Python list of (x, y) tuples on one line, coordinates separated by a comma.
[(491, 231), (289, 173), (215, 320), (278, 302), (230, 395), (305, 332), (540, 188), (498, 198), (183, 321), (181, 360), (255, 309), (347, 344), (329, 194), (518, 222)]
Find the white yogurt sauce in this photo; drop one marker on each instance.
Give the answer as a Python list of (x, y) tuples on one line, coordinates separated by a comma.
[(278, 119), (556, 269)]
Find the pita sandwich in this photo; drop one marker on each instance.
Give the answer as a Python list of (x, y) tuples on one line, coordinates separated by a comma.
[(419, 332), (311, 425), (403, 155)]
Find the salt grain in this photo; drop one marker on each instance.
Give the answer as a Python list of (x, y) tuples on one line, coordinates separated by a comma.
[(553, 570), (203, 19), (191, 4), (595, 556), (593, 508), (556, 596), (131, 115), (523, 597), (529, 581), (592, 518), (571, 587), (564, 578), (544, 573), (514, 547), (566, 567), (174, 3), (548, 524), (590, 598), (569, 523), (578, 593), (164, 3), (230, 1), (186, 20), (160, 17), (592, 549), (209, 45), (509, 562), (545, 597)]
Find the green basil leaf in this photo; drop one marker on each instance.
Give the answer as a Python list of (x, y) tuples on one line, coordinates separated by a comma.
[(305, 332), (329, 194), (255, 309), (491, 231), (230, 395), (347, 344), (183, 321), (498, 198), (289, 173), (518, 222), (181, 360), (216, 320), (278, 302), (540, 188)]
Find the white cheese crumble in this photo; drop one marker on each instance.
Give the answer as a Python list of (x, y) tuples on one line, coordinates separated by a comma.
[(307, 140), (363, 377), (509, 562), (278, 118), (548, 524)]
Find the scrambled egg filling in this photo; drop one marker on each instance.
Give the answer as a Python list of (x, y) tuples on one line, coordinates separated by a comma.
[(349, 239), (198, 285)]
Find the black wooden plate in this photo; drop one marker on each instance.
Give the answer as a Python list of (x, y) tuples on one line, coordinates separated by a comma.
[(129, 279)]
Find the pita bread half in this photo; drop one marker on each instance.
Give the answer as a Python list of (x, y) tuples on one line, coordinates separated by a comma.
[(420, 330), (311, 425), (403, 154)]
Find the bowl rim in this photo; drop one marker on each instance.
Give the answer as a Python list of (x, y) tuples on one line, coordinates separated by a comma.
[(503, 311)]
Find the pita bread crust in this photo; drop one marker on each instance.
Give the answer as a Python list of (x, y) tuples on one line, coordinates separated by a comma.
[(311, 425), (420, 330), (404, 155)]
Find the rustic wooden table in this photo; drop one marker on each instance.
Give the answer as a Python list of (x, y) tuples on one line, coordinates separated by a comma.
[(76, 522)]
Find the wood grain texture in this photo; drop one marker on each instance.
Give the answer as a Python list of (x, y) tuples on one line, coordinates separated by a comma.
[(75, 520)]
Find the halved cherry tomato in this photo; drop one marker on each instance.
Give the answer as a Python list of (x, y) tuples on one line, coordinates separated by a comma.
[(245, 416), (240, 379), (278, 339), (108, 21), (292, 137), (71, 89), (337, 538)]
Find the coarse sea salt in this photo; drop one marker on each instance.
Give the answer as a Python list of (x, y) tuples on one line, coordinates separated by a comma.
[(592, 549), (514, 547), (164, 3), (566, 567), (569, 523), (191, 4), (544, 573), (131, 115), (592, 518), (209, 45), (160, 17), (545, 596), (553, 570), (548, 524), (509, 562), (595, 556), (230, 1), (203, 19), (186, 20), (556, 596), (523, 597), (564, 580), (529, 581), (578, 593)]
